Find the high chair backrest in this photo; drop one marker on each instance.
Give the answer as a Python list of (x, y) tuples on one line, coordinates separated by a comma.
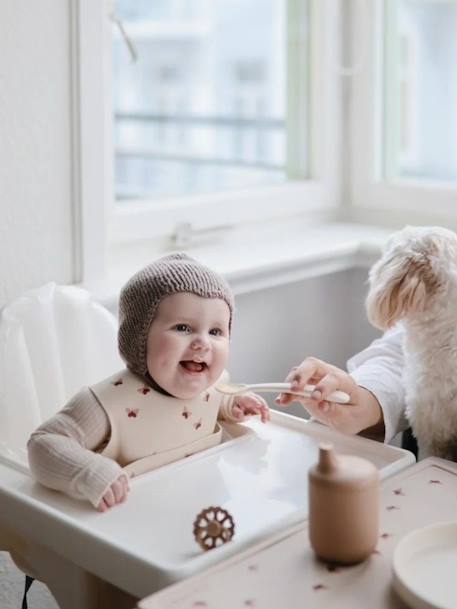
[(53, 341)]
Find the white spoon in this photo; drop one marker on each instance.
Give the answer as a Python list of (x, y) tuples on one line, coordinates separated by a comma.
[(238, 388)]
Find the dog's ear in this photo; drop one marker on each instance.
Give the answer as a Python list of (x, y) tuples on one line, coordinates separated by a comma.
[(398, 287)]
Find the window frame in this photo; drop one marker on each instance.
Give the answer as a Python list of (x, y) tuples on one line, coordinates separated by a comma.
[(137, 220), (344, 128), (101, 226), (90, 138), (374, 198)]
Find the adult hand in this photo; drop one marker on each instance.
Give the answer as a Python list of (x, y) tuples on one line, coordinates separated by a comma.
[(362, 412)]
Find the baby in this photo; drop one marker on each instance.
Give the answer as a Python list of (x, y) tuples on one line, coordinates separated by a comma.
[(175, 318)]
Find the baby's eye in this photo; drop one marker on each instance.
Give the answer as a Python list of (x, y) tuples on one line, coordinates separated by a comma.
[(182, 328), (215, 332)]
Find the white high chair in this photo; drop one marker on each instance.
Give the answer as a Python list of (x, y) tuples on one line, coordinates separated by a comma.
[(53, 341)]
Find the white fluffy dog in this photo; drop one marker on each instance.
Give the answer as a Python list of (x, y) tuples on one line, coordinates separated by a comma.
[(415, 282)]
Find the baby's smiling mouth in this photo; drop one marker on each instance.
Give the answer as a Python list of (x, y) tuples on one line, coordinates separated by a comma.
[(192, 366)]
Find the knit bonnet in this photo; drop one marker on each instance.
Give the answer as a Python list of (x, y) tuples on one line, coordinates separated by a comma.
[(143, 293)]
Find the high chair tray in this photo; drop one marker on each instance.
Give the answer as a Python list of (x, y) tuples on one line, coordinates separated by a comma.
[(260, 477), (282, 571)]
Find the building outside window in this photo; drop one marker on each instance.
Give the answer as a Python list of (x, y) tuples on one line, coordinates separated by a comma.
[(203, 107), (420, 54)]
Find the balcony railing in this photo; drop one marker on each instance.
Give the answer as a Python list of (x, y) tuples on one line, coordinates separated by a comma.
[(241, 126)]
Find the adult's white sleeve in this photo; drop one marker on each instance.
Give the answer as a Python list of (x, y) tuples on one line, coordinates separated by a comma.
[(379, 368)]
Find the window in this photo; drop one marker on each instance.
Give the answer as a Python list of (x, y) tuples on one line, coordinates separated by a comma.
[(403, 121), (219, 121), (420, 125), (203, 107), (230, 115)]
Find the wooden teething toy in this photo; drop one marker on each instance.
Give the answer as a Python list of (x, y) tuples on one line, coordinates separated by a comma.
[(213, 527)]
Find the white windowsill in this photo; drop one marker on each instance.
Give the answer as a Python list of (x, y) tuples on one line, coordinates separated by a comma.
[(254, 257)]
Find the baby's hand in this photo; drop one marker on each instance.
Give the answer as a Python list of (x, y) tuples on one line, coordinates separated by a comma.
[(116, 493), (251, 404), (362, 411)]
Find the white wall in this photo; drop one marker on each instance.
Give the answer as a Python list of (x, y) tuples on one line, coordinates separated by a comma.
[(35, 185), (276, 328)]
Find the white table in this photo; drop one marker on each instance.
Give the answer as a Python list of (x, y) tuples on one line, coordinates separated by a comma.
[(282, 571)]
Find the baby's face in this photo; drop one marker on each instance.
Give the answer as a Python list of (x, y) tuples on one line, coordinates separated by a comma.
[(188, 343)]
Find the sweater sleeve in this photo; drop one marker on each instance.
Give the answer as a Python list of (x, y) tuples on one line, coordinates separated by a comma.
[(61, 451), (379, 368)]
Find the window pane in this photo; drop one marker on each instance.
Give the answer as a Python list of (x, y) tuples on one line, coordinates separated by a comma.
[(420, 127), (203, 107)]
